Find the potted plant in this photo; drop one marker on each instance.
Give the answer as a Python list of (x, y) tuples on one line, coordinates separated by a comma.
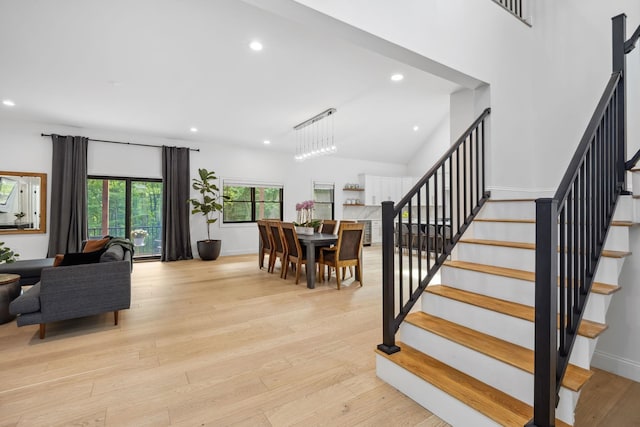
[(7, 255), (138, 235), (207, 205), (18, 220)]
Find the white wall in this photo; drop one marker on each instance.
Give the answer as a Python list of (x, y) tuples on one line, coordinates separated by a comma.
[(545, 83), (545, 80), (434, 147), (23, 149)]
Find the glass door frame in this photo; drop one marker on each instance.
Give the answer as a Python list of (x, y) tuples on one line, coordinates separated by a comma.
[(127, 194)]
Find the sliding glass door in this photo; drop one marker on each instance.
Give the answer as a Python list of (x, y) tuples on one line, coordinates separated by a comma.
[(127, 207)]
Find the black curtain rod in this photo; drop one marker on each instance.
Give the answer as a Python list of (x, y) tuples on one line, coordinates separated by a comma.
[(127, 143)]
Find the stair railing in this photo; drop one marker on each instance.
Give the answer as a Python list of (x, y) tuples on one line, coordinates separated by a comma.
[(428, 222), (517, 8), (571, 229)]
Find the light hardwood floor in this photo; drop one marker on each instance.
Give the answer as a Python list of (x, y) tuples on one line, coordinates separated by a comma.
[(223, 343)]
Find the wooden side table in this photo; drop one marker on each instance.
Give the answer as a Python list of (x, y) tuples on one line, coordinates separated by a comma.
[(9, 290)]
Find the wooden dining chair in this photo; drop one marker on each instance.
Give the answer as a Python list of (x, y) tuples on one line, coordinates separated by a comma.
[(296, 254), (346, 253), (266, 244), (328, 226), (279, 247)]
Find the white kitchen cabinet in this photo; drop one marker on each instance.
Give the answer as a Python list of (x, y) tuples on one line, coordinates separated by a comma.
[(376, 231)]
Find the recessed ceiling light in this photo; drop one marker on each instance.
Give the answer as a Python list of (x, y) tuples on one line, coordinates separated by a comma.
[(255, 45), (415, 128), (194, 130), (8, 103), (397, 77), (266, 142)]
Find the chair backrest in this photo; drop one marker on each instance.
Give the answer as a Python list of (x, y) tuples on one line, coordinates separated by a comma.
[(291, 238), (276, 235), (350, 236), (263, 229), (328, 226)]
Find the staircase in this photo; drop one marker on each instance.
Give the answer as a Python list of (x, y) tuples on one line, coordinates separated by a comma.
[(467, 354)]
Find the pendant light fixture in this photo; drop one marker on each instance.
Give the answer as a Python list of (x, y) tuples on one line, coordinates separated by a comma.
[(315, 136)]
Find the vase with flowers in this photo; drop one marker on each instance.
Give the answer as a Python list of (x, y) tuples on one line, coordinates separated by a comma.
[(305, 223)]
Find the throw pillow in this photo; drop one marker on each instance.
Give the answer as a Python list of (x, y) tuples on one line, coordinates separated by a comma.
[(95, 245), (58, 259), (76, 258)]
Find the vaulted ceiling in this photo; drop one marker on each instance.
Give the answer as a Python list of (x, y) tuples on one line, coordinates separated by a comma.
[(160, 67)]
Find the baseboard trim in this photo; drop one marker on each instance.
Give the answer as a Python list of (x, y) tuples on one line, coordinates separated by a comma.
[(617, 365)]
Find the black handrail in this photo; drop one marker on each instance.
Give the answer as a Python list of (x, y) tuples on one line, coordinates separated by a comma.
[(571, 229), (430, 219)]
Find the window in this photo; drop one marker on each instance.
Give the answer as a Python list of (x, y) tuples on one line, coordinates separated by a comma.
[(118, 206), (249, 203), (323, 200)]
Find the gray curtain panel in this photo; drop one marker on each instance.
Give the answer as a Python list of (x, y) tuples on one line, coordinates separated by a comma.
[(176, 237), (68, 219)]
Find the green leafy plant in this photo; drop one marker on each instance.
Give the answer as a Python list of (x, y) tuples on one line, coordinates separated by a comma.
[(7, 255), (209, 202)]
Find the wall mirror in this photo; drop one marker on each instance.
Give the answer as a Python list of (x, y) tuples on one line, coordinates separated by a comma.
[(23, 202)]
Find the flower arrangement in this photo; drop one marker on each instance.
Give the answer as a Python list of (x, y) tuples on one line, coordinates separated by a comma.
[(305, 214), (139, 232)]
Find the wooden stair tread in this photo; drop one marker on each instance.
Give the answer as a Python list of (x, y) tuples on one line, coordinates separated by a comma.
[(587, 328), (532, 246), (509, 220), (504, 351), (533, 221), (493, 403), (529, 276)]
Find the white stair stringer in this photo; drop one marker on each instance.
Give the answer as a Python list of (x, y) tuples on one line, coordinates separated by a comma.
[(508, 221)]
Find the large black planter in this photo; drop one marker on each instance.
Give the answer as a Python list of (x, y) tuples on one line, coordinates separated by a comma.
[(209, 249)]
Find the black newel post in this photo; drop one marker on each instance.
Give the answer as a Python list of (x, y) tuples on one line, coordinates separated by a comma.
[(619, 65), (388, 328)]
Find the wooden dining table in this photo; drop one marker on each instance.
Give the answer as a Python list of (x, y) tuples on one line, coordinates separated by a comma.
[(313, 241)]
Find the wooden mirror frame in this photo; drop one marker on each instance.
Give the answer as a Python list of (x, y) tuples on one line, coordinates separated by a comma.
[(43, 204)]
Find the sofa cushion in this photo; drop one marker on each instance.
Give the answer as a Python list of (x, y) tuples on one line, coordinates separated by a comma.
[(95, 245), (76, 258), (114, 253), (28, 302)]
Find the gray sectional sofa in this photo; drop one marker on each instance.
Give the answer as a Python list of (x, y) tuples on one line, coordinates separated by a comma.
[(69, 292)]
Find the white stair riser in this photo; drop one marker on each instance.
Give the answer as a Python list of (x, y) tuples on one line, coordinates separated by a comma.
[(437, 401), (617, 239), (508, 210), (502, 376), (524, 259), (517, 331), (624, 209), (519, 291)]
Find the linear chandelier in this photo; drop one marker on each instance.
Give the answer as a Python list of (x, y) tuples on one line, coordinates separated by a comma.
[(315, 136)]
